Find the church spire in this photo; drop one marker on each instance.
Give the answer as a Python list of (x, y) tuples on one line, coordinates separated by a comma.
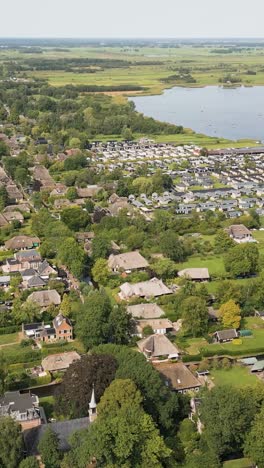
[(92, 407)]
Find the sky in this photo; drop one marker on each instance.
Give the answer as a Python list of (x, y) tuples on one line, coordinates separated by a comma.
[(132, 18)]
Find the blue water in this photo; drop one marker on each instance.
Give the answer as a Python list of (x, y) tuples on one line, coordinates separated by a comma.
[(230, 113)]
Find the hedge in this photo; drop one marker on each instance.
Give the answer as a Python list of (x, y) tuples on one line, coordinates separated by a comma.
[(22, 357), (235, 352), (192, 357), (10, 329), (28, 381)]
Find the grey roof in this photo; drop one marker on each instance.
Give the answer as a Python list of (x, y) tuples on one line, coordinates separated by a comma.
[(127, 261), (145, 311), (195, 273), (28, 253), (17, 401), (32, 326), (45, 298), (258, 366), (178, 376), (35, 281), (4, 279), (59, 319), (42, 267), (28, 272), (157, 345), (64, 430), (150, 288), (227, 334)]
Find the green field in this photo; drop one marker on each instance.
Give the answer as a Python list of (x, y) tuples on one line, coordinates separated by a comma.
[(249, 344), (215, 264), (8, 339), (148, 67), (238, 463), (236, 377)]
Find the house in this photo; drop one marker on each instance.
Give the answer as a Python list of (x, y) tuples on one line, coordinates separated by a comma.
[(150, 288), (195, 274), (223, 336), (63, 328), (145, 311), (60, 361), (22, 242), (22, 407), (159, 326), (158, 346), (178, 377), (88, 192), (45, 270), (45, 298), (31, 330), (127, 262), (240, 234), (14, 216), (35, 281)]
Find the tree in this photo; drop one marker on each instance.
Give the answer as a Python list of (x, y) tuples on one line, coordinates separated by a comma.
[(29, 462), (227, 414), (188, 436), (123, 434), (166, 407), (71, 255), (21, 176), (242, 260), (120, 325), (3, 372), (92, 322), (3, 197), (230, 314), (164, 268), (223, 242), (65, 307), (100, 271), (73, 395), (25, 312), (11, 443), (172, 246), (195, 315), (4, 149), (49, 449), (127, 134), (101, 247), (72, 194), (75, 218), (254, 447), (74, 143)]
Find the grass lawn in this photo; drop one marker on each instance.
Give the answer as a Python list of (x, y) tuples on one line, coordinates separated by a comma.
[(48, 404), (238, 463), (236, 376), (215, 264), (7, 339), (248, 345)]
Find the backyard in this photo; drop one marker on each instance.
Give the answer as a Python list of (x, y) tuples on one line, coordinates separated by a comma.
[(236, 376)]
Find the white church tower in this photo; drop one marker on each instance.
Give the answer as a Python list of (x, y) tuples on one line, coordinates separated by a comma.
[(92, 408)]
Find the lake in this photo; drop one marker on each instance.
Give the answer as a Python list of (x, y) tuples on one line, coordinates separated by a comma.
[(233, 113)]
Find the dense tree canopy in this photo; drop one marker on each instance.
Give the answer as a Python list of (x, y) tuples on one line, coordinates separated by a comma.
[(123, 434), (11, 443), (74, 393)]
